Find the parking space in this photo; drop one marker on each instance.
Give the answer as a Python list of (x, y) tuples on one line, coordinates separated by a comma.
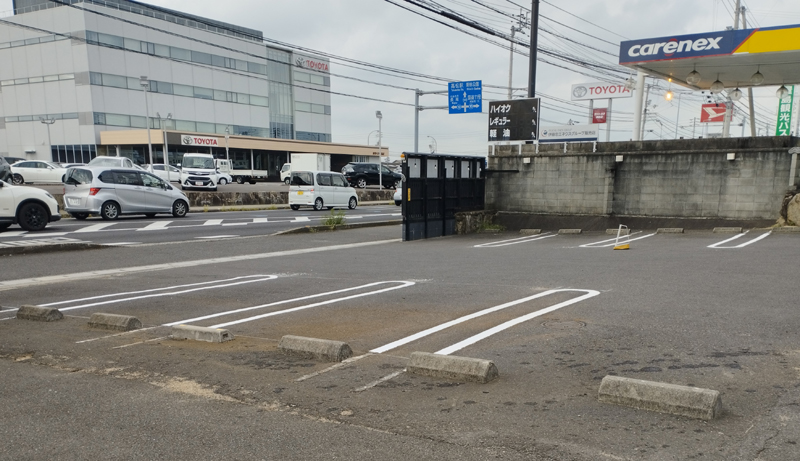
[(555, 313)]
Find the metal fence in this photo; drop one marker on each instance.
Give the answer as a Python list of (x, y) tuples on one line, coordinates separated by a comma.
[(436, 188)]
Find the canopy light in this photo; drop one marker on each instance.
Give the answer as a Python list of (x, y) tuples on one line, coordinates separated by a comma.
[(736, 94), (669, 95), (693, 78), (717, 87), (757, 78), (782, 92)]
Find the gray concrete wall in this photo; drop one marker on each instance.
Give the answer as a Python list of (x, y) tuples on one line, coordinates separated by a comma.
[(686, 178)]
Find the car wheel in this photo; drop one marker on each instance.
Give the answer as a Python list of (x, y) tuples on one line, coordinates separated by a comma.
[(352, 203), (32, 217), (287, 181), (17, 180), (362, 183), (223, 181), (239, 180), (180, 208), (294, 207), (398, 202), (80, 216), (109, 211), (150, 215), (318, 205)]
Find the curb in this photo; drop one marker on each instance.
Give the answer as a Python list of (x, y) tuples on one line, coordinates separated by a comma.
[(312, 229), (209, 335), (787, 230), (322, 349), (530, 231), (692, 402), (727, 230), (452, 367), (569, 231), (9, 251), (621, 232), (114, 322), (39, 314), (669, 230)]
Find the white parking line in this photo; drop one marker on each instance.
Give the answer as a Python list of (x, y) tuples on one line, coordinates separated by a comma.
[(605, 244), (404, 284), (749, 242), (514, 241)]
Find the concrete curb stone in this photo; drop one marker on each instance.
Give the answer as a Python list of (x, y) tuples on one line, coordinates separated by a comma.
[(692, 402), (322, 349), (452, 367)]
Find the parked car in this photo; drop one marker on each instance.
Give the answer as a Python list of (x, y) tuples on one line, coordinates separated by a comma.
[(286, 173), (320, 189), (398, 196), (13, 160), (36, 171), (30, 207), (119, 162), (223, 178), (5, 170), (198, 171), (361, 175), (111, 192), (159, 170)]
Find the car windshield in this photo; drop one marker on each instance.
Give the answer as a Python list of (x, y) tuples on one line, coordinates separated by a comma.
[(198, 162), (77, 176), (105, 161), (348, 168), (286, 167)]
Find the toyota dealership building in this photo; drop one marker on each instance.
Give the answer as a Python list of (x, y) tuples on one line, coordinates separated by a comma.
[(79, 81)]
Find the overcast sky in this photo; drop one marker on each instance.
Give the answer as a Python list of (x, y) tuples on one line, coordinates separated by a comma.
[(378, 32)]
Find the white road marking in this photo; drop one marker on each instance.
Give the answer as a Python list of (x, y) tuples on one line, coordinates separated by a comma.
[(605, 244), (260, 220), (93, 228), (749, 242), (172, 293), (309, 306), (235, 224), (376, 382), (13, 234), (333, 367), (216, 236), (301, 219), (119, 244), (438, 328), (514, 241), (212, 222), (141, 342), (48, 234), (114, 336), (40, 242), (158, 225), (92, 275), (151, 290)]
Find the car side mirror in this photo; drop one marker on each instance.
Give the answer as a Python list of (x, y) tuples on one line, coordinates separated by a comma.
[(168, 187)]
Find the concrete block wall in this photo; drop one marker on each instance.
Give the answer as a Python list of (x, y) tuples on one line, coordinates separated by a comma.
[(685, 179)]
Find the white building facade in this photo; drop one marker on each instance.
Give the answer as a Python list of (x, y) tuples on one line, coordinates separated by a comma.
[(70, 72)]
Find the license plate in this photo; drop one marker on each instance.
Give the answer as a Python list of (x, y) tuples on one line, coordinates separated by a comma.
[(299, 192), (74, 201), (198, 183)]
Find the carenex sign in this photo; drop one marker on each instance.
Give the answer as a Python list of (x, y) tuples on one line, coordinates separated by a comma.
[(683, 46), (189, 140), (600, 90)]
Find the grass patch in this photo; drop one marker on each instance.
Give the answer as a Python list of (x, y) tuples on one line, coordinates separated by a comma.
[(489, 227), (334, 219)]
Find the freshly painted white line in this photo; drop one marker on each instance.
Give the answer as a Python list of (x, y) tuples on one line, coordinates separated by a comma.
[(212, 222), (301, 219), (49, 234), (114, 336), (514, 241), (276, 303), (376, 382), (438, 328), (333, 367), (12, 234), (60, 278), (309, 306), (491, 331), (172, 293), (94, 228), (216, 236), (151, 290), (141, 342), (158, 225), (260, 220), (235, 224), (749, 242), (605, 244)]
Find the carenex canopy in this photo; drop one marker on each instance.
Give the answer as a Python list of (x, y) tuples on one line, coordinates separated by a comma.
[(733, 54)]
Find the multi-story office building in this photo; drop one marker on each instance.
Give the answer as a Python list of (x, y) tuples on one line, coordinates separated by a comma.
[(73, 76)]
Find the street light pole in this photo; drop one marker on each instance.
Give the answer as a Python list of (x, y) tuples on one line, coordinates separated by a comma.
[(48, 122), (145, 83), (379, 115), (166, 144), (227, 154)]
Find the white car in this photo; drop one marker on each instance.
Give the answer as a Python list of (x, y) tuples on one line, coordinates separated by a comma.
[(198, 171), (158, 170), (36, 171), (223, 178), (398, 196), (320, 189), (29, 207)]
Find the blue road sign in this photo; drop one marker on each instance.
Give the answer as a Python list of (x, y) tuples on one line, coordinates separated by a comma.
[(465, 97)]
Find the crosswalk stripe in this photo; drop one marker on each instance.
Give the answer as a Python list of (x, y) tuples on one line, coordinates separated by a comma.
[(93, 228), (13, 233), (156, 226), (213, 222), (259, 220), (301, 219)]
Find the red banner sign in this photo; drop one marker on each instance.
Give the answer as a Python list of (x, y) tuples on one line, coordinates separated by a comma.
[(599, 115), (712, 113)]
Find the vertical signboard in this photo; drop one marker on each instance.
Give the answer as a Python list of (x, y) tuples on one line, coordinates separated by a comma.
[(784, 127), (599, 115), (514, 120)]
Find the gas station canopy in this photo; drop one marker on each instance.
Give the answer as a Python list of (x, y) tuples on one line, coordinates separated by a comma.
[(734, 57)]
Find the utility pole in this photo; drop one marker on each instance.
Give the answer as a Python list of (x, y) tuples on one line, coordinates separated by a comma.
[(726, 124), (749, 90), (534, 48), (514, 30)]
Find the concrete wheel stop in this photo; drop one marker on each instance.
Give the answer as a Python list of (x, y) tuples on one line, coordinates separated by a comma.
[(114, 322), (209, 335), (39, 314), (452, 367), (320, 349), (692, 402)]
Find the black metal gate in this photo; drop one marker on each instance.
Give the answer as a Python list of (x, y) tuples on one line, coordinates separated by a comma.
[(435, 189)]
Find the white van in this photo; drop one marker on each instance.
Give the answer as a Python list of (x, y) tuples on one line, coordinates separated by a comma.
[(198, 172), (320, 189)]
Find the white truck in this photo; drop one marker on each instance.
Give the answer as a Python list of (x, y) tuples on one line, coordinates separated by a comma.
[(305, 162)]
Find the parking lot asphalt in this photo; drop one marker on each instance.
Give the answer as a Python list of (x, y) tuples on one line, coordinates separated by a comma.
[(683, 309)]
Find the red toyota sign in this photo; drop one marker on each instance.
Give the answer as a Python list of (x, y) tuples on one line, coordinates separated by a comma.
[(599, 115), (715, 112)]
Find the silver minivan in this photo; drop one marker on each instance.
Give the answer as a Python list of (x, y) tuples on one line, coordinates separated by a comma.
[(320, 189), (111, 192)]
